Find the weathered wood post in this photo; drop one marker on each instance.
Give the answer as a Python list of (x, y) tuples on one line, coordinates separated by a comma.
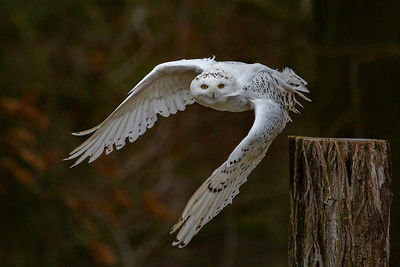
[(340, 202)]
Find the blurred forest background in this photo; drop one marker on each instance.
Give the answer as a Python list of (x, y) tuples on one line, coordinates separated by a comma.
[(65, 65)]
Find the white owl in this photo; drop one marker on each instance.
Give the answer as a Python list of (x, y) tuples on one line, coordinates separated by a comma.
[(224, 86)]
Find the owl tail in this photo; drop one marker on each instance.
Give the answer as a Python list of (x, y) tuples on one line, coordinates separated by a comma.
[(292, 82), (294, 86)]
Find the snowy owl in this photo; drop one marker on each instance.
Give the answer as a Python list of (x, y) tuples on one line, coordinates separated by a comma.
[(225, 86)]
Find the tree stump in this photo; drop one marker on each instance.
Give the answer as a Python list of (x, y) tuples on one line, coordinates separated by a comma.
[(340, 201)]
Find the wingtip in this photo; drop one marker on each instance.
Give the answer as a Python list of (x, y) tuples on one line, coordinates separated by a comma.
[(179, 243), (70, 156), (79, 133), (85, 132), (176, 226), (173, 229), (73, 165)]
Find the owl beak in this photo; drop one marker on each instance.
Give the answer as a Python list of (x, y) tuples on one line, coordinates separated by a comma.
[(213, 94)]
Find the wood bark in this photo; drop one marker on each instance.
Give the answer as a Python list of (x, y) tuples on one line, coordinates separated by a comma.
[(340, 201)]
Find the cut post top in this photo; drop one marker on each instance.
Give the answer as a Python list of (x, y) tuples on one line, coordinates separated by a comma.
[(310, 138)]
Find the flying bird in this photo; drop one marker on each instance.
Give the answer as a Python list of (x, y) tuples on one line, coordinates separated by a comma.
[(224, 86)]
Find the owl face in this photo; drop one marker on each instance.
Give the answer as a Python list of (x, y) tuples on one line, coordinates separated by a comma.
[(213, 87)]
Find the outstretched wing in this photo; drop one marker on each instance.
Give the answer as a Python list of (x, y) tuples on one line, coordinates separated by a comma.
[(223, 185), (164, 91)]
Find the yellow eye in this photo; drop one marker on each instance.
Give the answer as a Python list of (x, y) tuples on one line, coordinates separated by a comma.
[(221, 85), (204, 86)]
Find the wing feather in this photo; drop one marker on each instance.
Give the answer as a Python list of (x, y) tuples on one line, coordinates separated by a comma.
[(133, 134)]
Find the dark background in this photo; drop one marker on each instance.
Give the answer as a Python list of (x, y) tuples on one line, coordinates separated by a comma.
[(65, 65)]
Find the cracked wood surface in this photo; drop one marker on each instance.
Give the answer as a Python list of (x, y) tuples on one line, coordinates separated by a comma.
[(340, 201)]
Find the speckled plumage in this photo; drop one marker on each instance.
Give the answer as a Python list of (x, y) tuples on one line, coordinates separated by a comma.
[(225, 86)]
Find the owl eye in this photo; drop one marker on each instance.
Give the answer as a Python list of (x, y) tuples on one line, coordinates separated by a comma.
[(204, 86), (221, 85)]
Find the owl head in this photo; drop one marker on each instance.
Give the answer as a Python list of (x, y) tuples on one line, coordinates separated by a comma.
[(213, 87)]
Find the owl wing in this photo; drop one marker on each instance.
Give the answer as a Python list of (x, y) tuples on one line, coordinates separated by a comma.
[(164, 91), (223, 185)]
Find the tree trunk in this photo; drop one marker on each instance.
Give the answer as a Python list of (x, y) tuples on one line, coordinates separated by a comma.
[(339, 202)]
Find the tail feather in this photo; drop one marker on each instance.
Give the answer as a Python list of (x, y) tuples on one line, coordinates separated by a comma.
[(295, 80), (293, 83)]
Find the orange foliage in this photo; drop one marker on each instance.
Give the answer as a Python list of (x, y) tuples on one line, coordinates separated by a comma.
[(36, 161), (108, 168), (17, 141), (71, 201), (121, 197), (152, 204), (102, 254), (21, 175), (26, 110), (23, 135)]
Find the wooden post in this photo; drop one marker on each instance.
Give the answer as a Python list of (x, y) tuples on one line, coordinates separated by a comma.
[(339, 202)]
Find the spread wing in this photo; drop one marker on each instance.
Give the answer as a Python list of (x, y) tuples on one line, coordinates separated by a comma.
[(164, 91), (223, 185)]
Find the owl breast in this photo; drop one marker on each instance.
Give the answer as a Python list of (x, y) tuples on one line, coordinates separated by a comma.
[(231, 103)]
